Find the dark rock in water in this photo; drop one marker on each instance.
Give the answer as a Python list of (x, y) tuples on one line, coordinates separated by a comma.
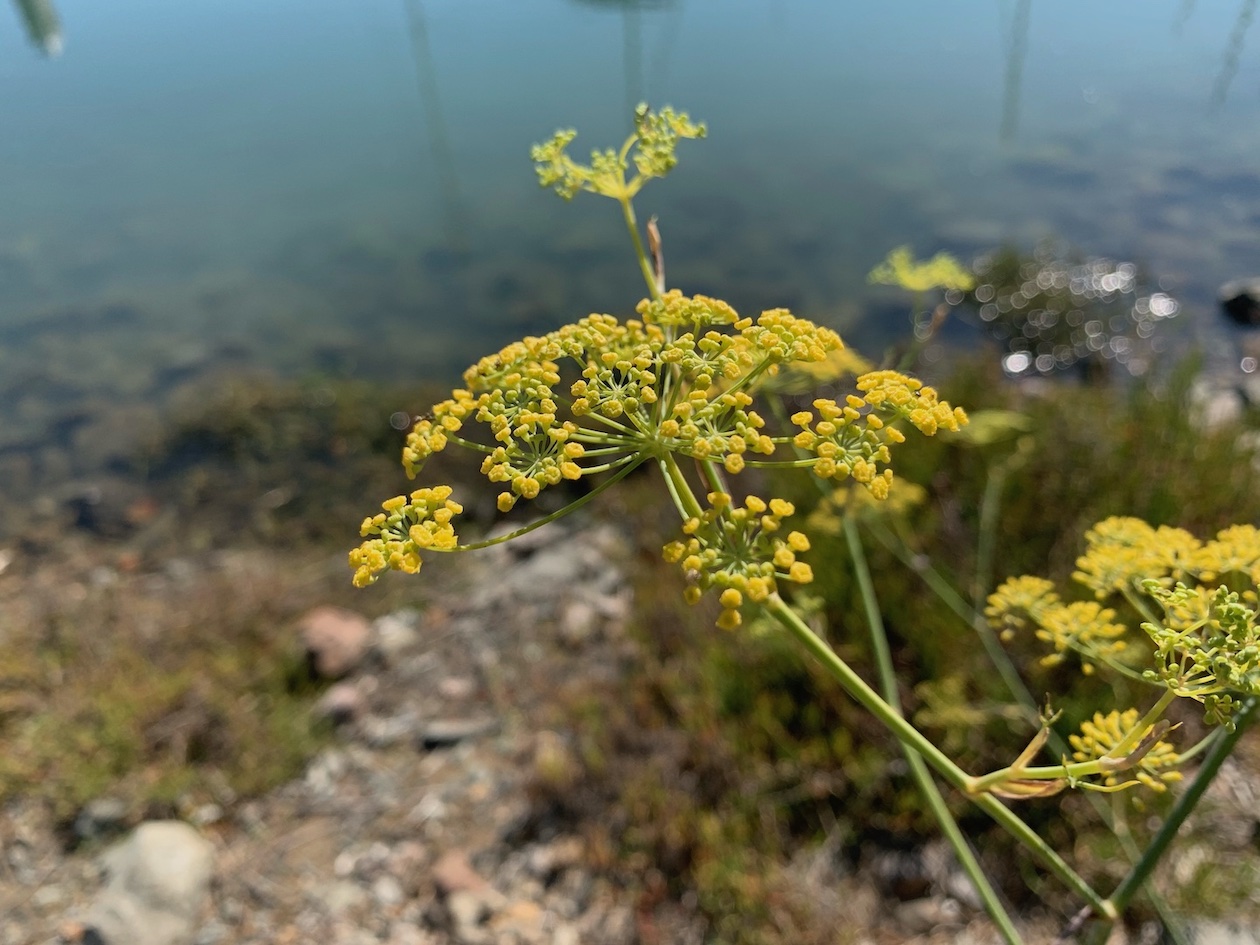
[(104, 506), (1240, 301)]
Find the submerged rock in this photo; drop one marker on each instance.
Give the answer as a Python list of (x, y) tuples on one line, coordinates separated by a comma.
[(1240, 301)]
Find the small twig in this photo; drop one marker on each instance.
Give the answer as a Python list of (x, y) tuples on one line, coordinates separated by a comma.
[(658, 254)]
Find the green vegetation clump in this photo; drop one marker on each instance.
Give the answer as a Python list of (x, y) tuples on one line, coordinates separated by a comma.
[(104, 693), (167, 674)]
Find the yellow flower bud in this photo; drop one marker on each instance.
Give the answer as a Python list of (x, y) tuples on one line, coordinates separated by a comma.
[(782, 507), (801, 573)]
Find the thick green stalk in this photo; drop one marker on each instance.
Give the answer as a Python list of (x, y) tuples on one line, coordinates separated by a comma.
[(627, 211), (857, 687), (918, 768), (1080, 769), (974, 618), (1220, 750), (684, 499), (911, 736)]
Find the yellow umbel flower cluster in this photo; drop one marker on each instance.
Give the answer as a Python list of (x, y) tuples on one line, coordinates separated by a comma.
[(942, 271), (739, 550), (1207, 647), (679, 382), (655, 139), (603, 395), (1083, 626), (1100, 738), (1123, 551), (853, 440), (407, 526), (1198, 597)]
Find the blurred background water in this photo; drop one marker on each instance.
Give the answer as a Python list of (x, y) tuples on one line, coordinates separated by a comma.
[(336, 188)]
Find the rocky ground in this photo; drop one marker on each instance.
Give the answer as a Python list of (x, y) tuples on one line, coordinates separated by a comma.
[(428, 820), (425, 822)]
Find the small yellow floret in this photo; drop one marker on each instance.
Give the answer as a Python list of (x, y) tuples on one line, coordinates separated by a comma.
[(782, 507), (801, 573)]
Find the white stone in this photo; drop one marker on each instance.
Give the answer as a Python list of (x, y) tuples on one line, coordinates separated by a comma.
[(159, 880)]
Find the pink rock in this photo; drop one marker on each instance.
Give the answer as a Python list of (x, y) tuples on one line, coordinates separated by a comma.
[(453, 873), (336, 640)]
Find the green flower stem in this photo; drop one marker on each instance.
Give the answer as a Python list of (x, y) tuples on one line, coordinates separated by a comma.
[(714, 476), (1141, 605), (1131, 740), (906, 733), (857, 687), (1080, 769), (753, 375), (686, 501), (970, 615), (1202, 745), (609, 422), (1220, 750), (918, 768), (1120, 827), (469, 444), (911, 736), (605, 467), (627, 210), (603, 450), (559, 513)]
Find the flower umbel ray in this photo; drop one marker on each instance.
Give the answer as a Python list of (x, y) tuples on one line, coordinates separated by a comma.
[(740, 551), (603, 394), (406, 526)]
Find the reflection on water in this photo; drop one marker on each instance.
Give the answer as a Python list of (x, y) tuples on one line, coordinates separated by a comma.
[(345, 188), (1053, 314), (632, 42), (454, 210), (43, 26), (1233, 52), (1016, 53)]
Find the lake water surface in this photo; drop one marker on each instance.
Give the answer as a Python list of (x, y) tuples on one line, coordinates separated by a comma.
[(336, 186)]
